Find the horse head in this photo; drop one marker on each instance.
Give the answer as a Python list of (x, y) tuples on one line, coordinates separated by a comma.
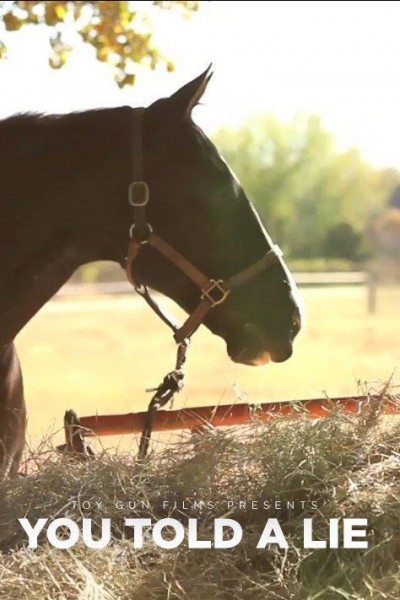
[(198, 206)]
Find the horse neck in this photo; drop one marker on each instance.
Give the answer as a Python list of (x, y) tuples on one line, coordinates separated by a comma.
[(63, 177), (69, 208)]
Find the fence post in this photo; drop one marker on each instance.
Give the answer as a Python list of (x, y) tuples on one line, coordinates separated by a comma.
[(372, 290)]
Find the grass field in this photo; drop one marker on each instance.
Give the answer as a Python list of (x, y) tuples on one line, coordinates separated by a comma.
[(98, 354)]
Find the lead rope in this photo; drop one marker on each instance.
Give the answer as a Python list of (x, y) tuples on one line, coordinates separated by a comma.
[(164, 393), (172, 382)]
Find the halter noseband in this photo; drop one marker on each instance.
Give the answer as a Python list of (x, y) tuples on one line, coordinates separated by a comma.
[(212, 291)]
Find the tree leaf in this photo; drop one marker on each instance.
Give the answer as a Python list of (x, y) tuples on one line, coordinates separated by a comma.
[(119, 32)]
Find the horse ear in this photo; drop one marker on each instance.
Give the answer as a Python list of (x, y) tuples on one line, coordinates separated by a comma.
[(186, 98)]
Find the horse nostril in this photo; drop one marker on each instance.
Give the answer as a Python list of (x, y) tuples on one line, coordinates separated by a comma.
[(279, 351)]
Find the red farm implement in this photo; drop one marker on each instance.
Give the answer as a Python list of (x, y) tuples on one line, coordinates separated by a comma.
[(199, 419)]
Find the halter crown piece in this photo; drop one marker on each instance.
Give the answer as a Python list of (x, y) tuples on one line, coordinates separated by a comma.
[(212, 291)]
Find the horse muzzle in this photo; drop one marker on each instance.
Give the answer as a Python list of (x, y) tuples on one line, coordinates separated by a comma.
[(251, 347)]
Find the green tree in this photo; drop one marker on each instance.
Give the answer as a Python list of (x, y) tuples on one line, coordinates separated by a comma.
[(301, 185), (342, 241), (120, 32)]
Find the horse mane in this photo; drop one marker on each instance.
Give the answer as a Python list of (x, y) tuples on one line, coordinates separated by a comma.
[(93, 118)]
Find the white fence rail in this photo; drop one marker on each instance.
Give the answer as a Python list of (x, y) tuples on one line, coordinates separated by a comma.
[(302, 280)]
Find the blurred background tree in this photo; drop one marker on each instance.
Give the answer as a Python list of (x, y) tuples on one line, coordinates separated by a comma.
[(120, 32), (315, 200), (343, 241)]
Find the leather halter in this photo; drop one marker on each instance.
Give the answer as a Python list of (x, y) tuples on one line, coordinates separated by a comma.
[(213, 292)]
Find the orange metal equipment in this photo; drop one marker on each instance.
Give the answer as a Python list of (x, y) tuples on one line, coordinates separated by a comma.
[(225, 416)]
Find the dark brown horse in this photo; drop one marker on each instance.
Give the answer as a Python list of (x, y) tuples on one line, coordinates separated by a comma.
[(63, 203)]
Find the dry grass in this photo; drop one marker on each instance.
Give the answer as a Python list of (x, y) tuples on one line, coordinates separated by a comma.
[(349, 466)]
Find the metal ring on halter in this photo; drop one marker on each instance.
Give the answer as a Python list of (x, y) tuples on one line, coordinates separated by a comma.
[(138, 194), (149, 231)]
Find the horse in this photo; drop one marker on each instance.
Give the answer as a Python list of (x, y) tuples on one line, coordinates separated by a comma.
[(64, 182)]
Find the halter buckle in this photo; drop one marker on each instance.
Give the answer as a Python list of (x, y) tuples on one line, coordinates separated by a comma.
[(138, 194), (211, 292)]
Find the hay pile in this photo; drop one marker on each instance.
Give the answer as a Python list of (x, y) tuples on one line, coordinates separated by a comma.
[(348, 466)]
